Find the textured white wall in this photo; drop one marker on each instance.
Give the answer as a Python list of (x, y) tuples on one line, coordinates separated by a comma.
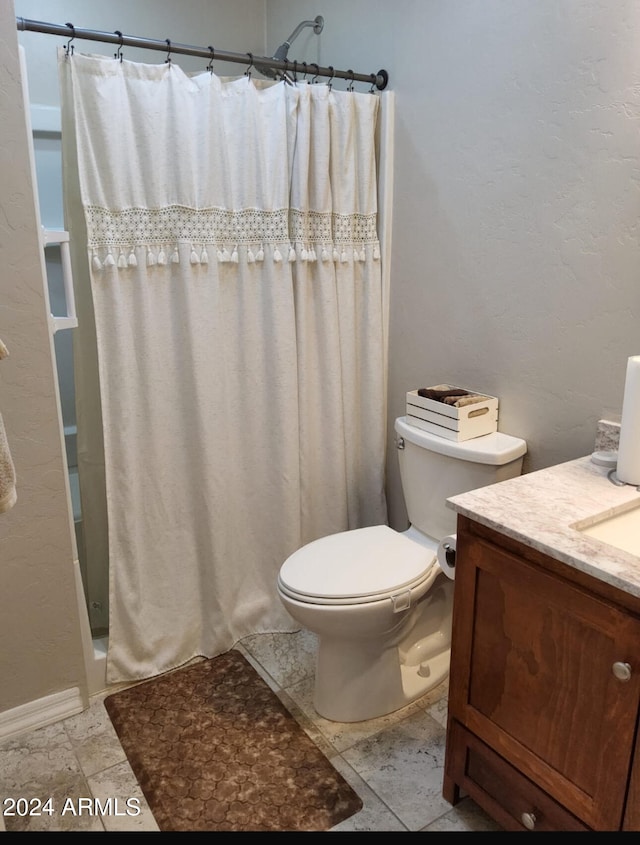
[(516, 260), (237, 27), (516, 263), (40, 647)]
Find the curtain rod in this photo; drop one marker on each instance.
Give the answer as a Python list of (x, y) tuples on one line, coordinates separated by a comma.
[(379, 79)]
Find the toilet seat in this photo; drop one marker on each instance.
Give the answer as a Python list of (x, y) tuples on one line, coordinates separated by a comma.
[(357, 566)]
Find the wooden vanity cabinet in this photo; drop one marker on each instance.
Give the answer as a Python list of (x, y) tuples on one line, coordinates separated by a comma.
[(544, 690)]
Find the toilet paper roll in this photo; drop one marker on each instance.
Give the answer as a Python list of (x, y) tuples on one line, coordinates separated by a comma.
[(447, 555), (628, 469)]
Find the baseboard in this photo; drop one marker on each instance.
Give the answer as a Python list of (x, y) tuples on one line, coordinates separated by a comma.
[(39, 713)]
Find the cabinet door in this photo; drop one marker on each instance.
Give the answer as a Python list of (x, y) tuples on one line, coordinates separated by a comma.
[(535, 673)]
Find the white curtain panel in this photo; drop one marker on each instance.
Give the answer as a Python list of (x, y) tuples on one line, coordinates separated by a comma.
[(235, 273)]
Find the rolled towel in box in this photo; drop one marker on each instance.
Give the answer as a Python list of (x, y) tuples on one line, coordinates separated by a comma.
[(8, 493), (456, 396), (442, 392)]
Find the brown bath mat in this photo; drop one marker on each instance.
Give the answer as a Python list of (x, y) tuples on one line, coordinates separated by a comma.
[(213, 748)]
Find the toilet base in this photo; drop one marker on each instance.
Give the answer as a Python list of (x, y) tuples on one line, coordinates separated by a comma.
[(351, 688), (360, 678)]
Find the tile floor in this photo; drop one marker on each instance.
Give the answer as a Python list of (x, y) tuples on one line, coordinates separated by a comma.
[(394, 763)]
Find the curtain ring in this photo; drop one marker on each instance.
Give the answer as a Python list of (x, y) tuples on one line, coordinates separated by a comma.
[(313, 64), (248, 70), (333, 73), (374, 79), (304, 65), (69, 48), (295, 71), (118, 54), (350, 86), (213, 55), (168, 59)]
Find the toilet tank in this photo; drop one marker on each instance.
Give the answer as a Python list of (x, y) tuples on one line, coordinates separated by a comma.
[(434, 468)]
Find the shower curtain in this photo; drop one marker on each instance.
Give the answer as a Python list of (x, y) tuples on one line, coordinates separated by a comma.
[(228, 230)]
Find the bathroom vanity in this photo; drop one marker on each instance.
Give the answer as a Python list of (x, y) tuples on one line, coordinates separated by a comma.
[(544, 694)]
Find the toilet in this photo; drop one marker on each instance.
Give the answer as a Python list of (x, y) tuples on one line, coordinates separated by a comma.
[(377, 599)]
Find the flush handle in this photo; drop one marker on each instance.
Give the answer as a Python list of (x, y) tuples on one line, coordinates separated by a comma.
[(622, 671), (400, 443)]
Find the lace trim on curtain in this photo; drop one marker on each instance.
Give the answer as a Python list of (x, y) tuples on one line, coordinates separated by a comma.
[(118, 237)]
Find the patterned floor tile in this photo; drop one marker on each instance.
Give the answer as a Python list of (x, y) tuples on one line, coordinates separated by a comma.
[(394, 763), (42, 786), (342, 735), (288, 658), (375, 815), (94, 740), (404, 765), (118, 790), (465, 816)]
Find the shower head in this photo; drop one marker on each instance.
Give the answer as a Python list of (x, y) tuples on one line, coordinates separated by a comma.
[(281, 53)]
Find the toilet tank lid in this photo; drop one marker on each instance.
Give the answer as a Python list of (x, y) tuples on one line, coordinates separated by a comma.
[(492, 449)]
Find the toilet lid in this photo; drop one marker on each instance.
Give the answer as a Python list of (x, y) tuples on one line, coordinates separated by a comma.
[(362, 564)]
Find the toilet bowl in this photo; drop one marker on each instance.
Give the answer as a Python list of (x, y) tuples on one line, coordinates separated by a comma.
[(365, 594), (377, 599)]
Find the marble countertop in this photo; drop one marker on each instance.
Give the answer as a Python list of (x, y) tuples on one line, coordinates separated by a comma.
[(540, 508)]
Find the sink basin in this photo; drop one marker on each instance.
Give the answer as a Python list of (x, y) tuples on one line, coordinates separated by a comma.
[(620, 528)]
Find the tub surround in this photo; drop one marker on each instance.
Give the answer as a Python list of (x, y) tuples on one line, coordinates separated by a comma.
[(540, 509)]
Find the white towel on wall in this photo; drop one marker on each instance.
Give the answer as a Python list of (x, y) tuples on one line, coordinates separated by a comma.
[(8, 494)]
